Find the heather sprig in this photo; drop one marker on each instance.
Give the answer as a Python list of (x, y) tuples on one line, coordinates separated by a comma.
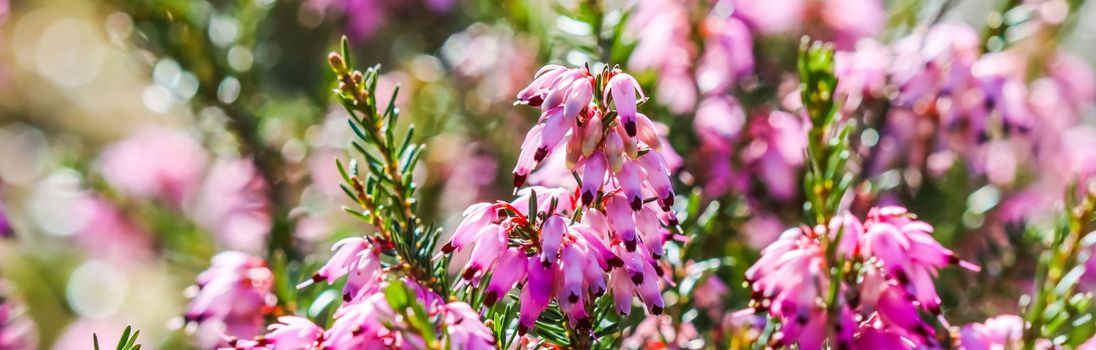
[(840, 281), (826, 178), (384, 190), (1056, 310)]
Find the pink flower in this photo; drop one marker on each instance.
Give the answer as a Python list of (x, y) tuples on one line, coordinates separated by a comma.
[(17, 330), (608, 152), (355, 257), (109, 234), (371, 323), (718, 121), (776, 151), (792, 277), (232, 203), (6, 231), (291, 332), (232, 297), (555, 259), (851, 20), (623, 89), (593, 176), (873, 335), (464, 328), (787, 281), (1088, 345), (893, 308), (709, 296), (771, 17), (999, 332), (718, 124), (361, 325), (861, 73), (908, 252), (728, 54), (155, 162)]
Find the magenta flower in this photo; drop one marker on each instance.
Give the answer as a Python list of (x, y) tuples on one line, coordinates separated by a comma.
[(232, 297), (873, 335), (777, 151), (894, 286), (851, 20), (606, 151), (6, 231), (358, 259), (787, 281), (893, 310), (908, 252), (1001, 332), (728, 55), (291, 332), (371, 323), (361, 325), (718, 124), (861, 73), (464, 328), (613, 249)]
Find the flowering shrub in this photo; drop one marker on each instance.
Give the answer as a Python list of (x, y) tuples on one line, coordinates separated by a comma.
[(676, 174)]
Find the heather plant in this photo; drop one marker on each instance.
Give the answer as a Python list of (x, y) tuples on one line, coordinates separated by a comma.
[(465, 174)]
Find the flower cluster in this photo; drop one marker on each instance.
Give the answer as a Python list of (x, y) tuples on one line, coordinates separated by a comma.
[(373, 322), (231, 298), (952, 103), (553, 256), (618, 146), (357, 258), (895, 258), (606, 236)]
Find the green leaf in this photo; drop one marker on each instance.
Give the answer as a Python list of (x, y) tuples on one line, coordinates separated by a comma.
[(342, 170), (532, 205), (125, 337), (344, 47), (397, 295), (406, 141)]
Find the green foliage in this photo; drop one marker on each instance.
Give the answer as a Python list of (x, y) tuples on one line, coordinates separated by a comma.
[(128, 341), (1057, 311), (826, 179)]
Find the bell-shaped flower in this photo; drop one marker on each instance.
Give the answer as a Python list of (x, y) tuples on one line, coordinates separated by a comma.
[(623, 89)]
